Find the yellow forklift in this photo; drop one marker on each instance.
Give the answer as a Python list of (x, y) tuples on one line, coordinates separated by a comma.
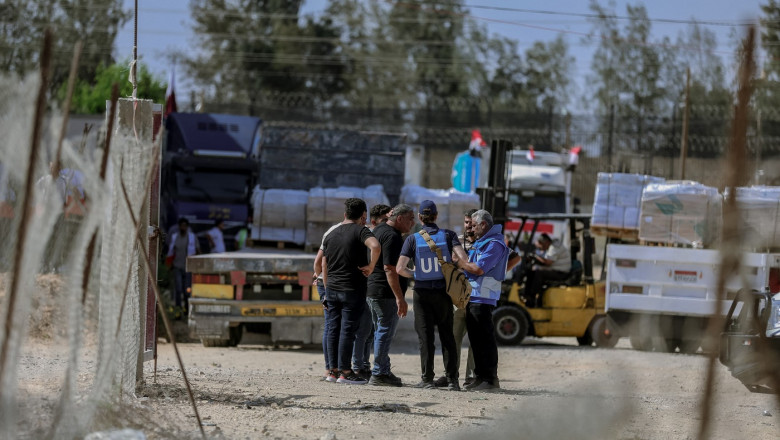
[(572, 307)]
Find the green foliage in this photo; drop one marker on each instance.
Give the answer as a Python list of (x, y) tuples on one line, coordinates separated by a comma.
[(90, 98), (94, 22)]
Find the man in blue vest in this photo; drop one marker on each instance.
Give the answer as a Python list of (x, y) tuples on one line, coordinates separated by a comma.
[(432, 305), (486, 269)]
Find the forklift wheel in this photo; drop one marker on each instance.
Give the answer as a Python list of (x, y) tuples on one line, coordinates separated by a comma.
[(511, 325), (603, 334)]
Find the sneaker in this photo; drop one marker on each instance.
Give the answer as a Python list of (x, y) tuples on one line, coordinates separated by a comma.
[(469, 381), (441, 382), (365, 374), (383, 380), (351, 378), (332, 377), (486, 386), (474, 383), (426, 384), (395, 379), (453, 385)]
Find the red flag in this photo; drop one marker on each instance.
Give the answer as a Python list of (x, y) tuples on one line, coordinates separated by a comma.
[(530, 153), (476, 140), (170, 95), (574, 157)]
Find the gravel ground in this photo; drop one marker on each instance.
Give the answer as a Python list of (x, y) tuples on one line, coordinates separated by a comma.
[(551, 389)]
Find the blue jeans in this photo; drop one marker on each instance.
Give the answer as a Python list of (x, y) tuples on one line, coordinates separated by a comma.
[(384, 313), (323, 296), (364, 339), (344, 312)]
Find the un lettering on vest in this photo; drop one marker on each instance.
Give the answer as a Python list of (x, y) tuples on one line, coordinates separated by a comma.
[(431, 264)]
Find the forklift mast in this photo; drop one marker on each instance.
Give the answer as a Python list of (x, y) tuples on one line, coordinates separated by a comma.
[(494, 197)]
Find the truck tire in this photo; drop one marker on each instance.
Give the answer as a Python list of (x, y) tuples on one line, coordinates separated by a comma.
[(215, 342), (641, 343), (603, 333), (510, 324), (235, 335)]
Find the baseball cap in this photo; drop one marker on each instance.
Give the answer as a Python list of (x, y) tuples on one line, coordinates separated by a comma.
[(427, 207)]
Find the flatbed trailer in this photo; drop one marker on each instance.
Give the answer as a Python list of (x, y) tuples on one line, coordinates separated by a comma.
[(662, 297), (263, 290)]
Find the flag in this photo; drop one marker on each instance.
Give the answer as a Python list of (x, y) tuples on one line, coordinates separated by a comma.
[(170, 95), (574, 157), (476, 140), (529, 155)]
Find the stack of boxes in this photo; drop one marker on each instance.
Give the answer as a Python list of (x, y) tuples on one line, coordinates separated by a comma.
[(681, 212), (759, 209), (618, 200)]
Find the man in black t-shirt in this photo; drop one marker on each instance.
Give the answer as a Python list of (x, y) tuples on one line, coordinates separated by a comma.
[(386, 292), (345, 267)]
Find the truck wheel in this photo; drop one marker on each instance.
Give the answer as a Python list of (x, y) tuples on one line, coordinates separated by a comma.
[(689, 346), (603, 333), (215, 342), (510, 324), (641, 343), (235, 335)]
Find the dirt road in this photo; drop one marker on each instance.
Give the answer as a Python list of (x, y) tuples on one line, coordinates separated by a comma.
[(551, 389)]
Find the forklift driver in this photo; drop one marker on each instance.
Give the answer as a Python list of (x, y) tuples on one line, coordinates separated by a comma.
[(551, 263)]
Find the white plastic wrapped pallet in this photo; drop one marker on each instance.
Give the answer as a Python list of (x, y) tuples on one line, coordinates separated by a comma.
[(759, 208), (450, 203), (618, 199), (681, 212), (279, 215), (325, 207)]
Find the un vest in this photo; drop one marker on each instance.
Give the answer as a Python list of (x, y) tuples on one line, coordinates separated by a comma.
[(426, 263), (486, 289)]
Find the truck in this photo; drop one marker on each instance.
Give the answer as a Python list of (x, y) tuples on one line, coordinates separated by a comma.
[(661, 298), (267, 288), (750, 341), (210, 165), (531, 183)]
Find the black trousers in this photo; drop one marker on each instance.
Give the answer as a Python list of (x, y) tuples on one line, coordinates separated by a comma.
[(479, 324), (537, 279), (433, 308)]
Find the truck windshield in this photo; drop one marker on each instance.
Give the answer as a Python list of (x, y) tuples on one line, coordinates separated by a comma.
[(538, 204), (212, 185)]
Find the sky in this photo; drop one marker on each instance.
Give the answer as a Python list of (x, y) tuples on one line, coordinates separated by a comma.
[(164, 27)]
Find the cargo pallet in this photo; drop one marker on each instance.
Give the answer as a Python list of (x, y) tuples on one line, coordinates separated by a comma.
[(618, 233)]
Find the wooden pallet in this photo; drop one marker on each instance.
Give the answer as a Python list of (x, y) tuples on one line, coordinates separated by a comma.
[(664, 244), (619, 233)]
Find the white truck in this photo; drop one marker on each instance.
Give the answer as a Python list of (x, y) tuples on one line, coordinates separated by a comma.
[(538, 183), (661, 297)]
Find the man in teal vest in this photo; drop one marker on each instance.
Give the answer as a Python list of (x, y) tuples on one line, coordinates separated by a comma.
[(432, 305), (486, 269)]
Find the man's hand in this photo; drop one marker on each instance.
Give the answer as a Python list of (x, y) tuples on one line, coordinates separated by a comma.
[(367, 270), (403, 307)]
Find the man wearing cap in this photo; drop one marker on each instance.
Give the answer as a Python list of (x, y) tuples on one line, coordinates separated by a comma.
[(432, 305)]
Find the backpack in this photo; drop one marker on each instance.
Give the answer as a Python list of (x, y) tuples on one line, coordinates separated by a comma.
[(455, 281)]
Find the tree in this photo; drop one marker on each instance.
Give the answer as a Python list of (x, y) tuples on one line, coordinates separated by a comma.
[(90, 98), (253, 48), (548, 70), (94, 22)]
